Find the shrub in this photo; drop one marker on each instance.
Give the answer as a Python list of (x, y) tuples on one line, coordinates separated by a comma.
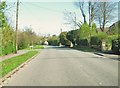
[(96, 42), (72, 36), (7, 40), (8, 48), (82, 42), (109, 40), (64, 40), (67, 43), (22, 45), (102, 36), (54, 42), (115, 46)]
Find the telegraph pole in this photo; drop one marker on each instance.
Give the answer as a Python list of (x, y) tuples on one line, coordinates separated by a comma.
[(16, 32)]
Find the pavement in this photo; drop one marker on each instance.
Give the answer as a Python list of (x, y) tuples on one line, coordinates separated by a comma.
[(56, 66), (110, 56), (19, 52)]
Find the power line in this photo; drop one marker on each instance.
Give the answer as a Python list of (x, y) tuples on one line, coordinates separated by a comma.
[(35, 5)]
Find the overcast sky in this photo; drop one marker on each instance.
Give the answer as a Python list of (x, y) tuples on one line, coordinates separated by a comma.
[(44, 17)]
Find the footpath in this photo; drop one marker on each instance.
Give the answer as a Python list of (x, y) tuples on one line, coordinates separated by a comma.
[(109, 55), (20, 52)]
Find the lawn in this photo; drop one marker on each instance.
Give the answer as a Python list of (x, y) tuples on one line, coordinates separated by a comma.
[(11, 63)]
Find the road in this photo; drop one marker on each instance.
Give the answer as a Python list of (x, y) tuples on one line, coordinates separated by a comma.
[(56, 66)]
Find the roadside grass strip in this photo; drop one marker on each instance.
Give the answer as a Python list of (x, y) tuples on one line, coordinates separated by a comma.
[(35, 47), (85, 49), (12, 63), (38, 47)]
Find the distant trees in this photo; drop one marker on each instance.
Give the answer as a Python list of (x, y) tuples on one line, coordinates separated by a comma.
[(53, 40), (63, 39), (76, 36), (27, 38), (72, 36)]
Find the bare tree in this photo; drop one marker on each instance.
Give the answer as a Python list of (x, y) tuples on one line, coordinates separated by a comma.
[(71, 19), (81, 7), (104, 13), (91, 12)]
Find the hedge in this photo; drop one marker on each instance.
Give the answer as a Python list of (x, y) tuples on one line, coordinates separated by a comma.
[(115, 46), (82, 42), (96, 42), (9, 48), (109, 40), (53, 42)]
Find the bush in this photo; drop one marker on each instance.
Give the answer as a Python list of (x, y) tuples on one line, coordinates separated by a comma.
[(102, 36), (67, 43), (8, 48), (22, 45), (109, 40), (72, 36), (82, 42), (96, 42), (7, 45), (64, 40), (115, 46), (54, 42)]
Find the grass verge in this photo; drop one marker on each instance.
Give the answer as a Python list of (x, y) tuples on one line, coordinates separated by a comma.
[(85, 49), (35, 47), (38, 47), (11, 63)]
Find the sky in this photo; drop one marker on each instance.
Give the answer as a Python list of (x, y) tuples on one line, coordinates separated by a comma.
[(44, 17)]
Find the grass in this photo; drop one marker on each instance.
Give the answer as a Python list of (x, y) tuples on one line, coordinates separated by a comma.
[(85, 49), (36, 47), (11, 63)]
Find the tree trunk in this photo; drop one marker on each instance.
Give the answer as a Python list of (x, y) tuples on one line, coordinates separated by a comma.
[(92, 13), (104, 17), (89, 14), (85, 19)]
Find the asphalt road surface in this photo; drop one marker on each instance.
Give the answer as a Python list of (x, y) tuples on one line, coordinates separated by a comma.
[(56, 66)]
